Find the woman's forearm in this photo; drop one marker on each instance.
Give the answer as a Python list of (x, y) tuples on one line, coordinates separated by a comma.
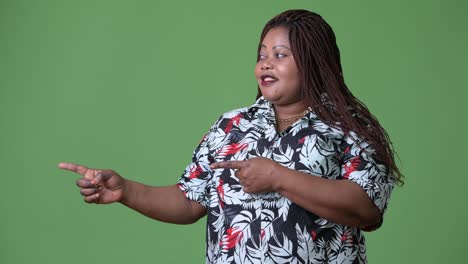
[(340, 201), (167, 203)]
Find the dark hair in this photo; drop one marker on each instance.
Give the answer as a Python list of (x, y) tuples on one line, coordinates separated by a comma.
[(313, 45)]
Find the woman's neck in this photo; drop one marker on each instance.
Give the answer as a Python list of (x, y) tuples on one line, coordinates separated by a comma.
[(287, 115), (289, 110)]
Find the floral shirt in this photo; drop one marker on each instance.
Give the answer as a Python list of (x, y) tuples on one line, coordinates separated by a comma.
[(268, 227)]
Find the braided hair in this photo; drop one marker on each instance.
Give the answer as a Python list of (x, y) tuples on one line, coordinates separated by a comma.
[(314, 48)]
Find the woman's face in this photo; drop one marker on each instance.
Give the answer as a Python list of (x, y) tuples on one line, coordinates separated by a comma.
[(276, 70)]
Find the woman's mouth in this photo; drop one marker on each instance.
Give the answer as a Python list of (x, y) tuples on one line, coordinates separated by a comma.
[(267, 80)]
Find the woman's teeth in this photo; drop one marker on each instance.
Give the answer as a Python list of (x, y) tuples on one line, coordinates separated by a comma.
[(268, 80)]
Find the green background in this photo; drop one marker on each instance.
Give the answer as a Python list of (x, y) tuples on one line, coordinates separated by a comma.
[(133, 86)]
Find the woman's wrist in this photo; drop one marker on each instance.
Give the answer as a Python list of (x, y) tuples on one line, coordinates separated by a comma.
[(126, 192), (277, 178)]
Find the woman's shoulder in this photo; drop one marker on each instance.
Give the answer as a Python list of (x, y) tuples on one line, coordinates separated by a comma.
[(260, 105), (331, 131), (235, 112), (229, 117)]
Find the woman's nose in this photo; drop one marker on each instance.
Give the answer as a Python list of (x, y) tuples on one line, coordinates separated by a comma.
[(266, 64)]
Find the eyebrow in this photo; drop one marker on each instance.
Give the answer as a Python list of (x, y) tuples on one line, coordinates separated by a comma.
[(277, 46)]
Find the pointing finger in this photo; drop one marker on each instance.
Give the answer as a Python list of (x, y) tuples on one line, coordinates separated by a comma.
[(233, 164), (73, 167)]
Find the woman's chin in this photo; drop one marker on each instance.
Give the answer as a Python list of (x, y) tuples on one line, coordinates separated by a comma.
[(271, 99), (268, 95)]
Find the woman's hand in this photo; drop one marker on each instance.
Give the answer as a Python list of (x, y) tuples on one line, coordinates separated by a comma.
[(256, 175), (97, 186)]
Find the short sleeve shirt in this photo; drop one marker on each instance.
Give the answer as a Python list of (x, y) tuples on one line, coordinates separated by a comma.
[(268, 227)]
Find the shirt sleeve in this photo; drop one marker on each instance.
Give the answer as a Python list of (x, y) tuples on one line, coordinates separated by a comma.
[(360, 166), (196, 177)]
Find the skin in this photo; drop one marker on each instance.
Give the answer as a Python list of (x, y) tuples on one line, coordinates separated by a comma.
[(167, 203), (341, 201), (276, 59)]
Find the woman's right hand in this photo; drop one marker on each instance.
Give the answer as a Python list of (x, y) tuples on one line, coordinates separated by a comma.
[(97, 186)]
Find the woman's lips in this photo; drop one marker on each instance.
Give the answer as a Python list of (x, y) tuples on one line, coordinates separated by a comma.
[(267, 80)]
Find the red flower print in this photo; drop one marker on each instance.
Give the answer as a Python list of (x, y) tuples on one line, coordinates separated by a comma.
[(234, 121), (231, 149), (351, 166), (231, 238), (346, 151), (220, 190), (314, 235), (301, 141), (195, 172)]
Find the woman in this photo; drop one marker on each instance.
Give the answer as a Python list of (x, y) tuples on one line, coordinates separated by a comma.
[(294, 178)]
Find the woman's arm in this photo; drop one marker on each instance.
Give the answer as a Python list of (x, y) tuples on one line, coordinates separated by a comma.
[(340, 201), (167, 204)]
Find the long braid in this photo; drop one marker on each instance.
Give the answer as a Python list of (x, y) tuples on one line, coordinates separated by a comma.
[(313, 45)]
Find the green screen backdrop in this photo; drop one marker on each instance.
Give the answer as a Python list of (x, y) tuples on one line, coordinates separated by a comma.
[(134, 85)]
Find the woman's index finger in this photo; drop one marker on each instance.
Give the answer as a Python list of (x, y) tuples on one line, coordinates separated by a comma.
[(80, 169), (232, 164)]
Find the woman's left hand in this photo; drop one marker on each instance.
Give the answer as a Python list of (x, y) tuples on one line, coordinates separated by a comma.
[(256, 175)]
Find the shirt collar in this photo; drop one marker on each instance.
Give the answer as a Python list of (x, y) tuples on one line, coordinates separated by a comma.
[(260, 106), (264, 108)]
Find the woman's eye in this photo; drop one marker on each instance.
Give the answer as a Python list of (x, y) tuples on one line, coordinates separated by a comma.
[(280, 55), (261, 56)]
